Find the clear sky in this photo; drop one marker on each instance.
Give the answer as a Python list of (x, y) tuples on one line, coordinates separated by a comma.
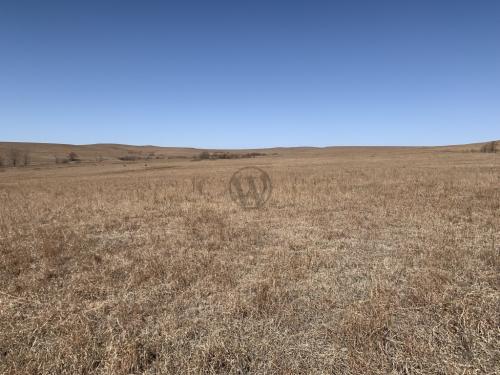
[(235, 74)]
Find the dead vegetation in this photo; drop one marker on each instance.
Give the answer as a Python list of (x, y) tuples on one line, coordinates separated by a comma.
[(490, 147), (378, 262), (15, 158)]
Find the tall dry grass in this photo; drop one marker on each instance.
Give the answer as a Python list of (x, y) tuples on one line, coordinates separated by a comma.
[(372, 262)]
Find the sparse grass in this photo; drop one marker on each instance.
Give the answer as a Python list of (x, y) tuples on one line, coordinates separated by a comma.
[(372, 262)]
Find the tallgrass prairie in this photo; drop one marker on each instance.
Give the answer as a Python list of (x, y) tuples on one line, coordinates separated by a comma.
[(362, 261)]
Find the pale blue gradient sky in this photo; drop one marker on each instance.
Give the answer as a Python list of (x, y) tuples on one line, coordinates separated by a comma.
[(230, 74)]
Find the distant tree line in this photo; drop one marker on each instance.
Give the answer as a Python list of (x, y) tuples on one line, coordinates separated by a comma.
[(140, 156), (205, 155), (15, 158), (490, 147)]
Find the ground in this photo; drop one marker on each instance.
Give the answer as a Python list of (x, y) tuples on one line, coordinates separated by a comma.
[(363, 261)]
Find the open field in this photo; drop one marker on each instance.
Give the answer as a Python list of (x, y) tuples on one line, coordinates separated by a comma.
[(363, 261)]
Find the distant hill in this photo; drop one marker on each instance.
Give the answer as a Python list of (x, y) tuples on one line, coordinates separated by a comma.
[(48, 153)]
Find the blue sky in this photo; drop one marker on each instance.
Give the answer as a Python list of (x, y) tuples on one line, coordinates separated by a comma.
[(236, 74)]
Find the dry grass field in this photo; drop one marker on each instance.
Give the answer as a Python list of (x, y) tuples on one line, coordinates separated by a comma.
[(363, 261)]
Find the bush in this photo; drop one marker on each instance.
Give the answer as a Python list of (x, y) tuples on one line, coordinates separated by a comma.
[(72, 156), (204, 155), (26, 158), (14, 157), (130, 158), (60, 160)]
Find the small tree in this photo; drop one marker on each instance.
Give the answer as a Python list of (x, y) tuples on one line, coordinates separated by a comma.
[(26, 158), (14, 157), (72, 156), (490, 147)]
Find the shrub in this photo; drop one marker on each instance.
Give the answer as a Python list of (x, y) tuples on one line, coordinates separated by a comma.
[(72, 156), (26, 158), (14, 157), (60, 160), (204, 155), (130, 158)]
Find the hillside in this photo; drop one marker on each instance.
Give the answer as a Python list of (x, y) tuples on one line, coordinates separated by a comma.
[(48, 153)]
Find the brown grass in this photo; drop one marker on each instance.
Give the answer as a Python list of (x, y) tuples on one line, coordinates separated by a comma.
[(364, 261)]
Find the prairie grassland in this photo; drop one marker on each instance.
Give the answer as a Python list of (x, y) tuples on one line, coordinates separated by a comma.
[(364, 261)]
